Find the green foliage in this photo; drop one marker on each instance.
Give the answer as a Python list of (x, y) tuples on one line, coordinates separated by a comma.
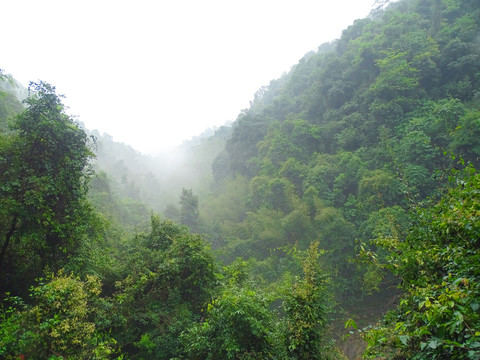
[(171, 275), (63, 322), (227, 206), (397, 77), (10, 105), (242, 323), (249, 129), (276, 194), (293, 138), (122, 212), (326, 158), (189, 209), (465, 137), (378, 188), (44, 166), (306, 308), (438, 264), (238, 324), (340, 147)]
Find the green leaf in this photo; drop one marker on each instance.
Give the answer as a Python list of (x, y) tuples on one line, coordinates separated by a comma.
[(350, 323), (404, 339)]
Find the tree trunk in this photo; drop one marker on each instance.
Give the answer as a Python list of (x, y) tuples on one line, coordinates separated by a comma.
[(8, 236)]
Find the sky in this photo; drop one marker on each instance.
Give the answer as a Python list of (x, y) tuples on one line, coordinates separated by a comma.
[(152, 73)]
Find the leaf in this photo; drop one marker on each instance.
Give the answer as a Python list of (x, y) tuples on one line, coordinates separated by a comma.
[(404, 339), (433, 344), (350, 323)]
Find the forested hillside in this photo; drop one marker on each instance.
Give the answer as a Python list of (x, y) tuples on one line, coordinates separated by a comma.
[(158, 180), (343, 145), (347, 188)]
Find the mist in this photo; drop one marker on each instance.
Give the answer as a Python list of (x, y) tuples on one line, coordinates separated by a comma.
[(155, 74), (157, 180)]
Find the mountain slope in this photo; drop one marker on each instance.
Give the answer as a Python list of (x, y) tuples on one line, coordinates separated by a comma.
[(339, 148)]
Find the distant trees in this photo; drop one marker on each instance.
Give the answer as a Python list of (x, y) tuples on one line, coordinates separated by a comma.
[(9, 103), (189, 209), (393, 88), (332, 155)]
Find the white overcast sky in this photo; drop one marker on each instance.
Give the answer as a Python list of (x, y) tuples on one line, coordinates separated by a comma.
[(152, 73)]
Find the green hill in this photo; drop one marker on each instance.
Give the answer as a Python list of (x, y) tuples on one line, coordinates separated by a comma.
[(346, 189), (339, 148)]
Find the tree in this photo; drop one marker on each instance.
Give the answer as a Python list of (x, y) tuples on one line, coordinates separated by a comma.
[(189, 209), (294, 138), (44, 172), (437, 263), (466, 135), (393, 89), (249, 129), (306, 309), (9, 103), (379, 188), (171, 276), (238, 325), (64, 322)]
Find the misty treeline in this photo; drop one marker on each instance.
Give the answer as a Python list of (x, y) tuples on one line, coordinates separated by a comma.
[(349, 181)]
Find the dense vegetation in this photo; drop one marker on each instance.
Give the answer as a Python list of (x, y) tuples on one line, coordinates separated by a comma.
[(350, 177), (438, 263)]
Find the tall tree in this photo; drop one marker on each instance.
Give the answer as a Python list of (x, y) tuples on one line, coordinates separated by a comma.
[(43, 184), (171, 276), (306, 309), (189, 209)]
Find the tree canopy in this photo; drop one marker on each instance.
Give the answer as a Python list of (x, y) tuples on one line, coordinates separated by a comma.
[(331, 191), (44, 172)]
